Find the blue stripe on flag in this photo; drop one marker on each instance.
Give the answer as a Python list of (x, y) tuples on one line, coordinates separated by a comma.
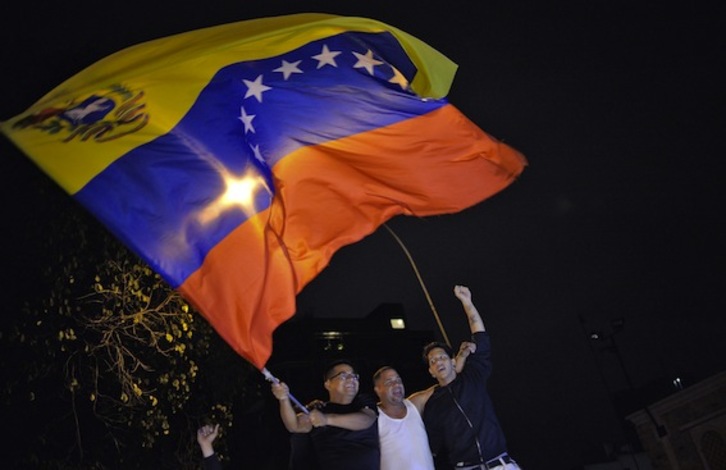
[(247, 118)]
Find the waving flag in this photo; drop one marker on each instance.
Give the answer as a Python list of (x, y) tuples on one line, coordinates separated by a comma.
[(235, 160)]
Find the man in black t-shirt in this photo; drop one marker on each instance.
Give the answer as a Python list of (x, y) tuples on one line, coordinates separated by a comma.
[(342, 432)]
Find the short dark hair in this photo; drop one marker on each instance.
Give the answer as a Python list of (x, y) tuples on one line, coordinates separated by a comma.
[(433, 345), (331, 365), (380, 371)]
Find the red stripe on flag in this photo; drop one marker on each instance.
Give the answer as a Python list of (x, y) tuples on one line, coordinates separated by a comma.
[(334, 194)]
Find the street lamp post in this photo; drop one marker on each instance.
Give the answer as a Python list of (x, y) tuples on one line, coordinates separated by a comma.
[(617, 325)]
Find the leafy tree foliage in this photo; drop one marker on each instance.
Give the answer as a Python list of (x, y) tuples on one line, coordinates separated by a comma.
[(107, 366)]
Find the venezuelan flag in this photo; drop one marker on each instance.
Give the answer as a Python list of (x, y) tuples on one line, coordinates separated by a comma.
[(235, 160)]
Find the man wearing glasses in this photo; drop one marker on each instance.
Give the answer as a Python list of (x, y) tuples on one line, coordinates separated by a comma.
[(343, 430)]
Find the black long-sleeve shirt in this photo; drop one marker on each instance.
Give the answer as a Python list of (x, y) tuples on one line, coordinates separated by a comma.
[(459, 417)]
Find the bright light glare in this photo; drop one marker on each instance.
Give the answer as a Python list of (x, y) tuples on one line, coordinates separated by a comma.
[(240, 191), (398, 324)]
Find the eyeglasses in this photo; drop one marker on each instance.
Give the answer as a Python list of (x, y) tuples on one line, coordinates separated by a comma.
[(345, 376)]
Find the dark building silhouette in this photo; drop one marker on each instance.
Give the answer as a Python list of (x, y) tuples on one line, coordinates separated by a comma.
[(692, 427)]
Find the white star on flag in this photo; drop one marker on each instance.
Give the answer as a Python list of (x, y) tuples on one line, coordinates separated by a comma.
[(247, 120), (326, 57), (288, 68), (366, 61), (258, 154), (256, 88)]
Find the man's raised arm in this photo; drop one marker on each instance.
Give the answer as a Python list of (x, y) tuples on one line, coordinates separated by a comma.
[(476, 324)]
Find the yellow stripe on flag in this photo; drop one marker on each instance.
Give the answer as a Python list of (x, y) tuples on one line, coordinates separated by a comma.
[(157, 82)]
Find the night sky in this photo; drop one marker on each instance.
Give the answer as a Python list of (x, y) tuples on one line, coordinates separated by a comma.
[(618, 107)]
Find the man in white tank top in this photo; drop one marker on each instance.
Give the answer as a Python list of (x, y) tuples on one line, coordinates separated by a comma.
[(402, 435), (401, 432)]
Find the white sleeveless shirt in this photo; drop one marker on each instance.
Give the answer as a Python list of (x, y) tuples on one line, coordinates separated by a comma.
[(404, 444)]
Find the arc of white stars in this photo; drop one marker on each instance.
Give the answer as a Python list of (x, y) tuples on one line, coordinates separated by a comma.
[(247, 120), (326, 57), (366, 61), (256, 88), (288, 68)]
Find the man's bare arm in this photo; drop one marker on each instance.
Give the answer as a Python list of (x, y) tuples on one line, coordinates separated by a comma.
[(357, 421), (476, 324), (466, 348), (294, 422), (420, 398)]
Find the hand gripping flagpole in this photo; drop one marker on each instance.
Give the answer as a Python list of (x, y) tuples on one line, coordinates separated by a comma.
[(271, 378)]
